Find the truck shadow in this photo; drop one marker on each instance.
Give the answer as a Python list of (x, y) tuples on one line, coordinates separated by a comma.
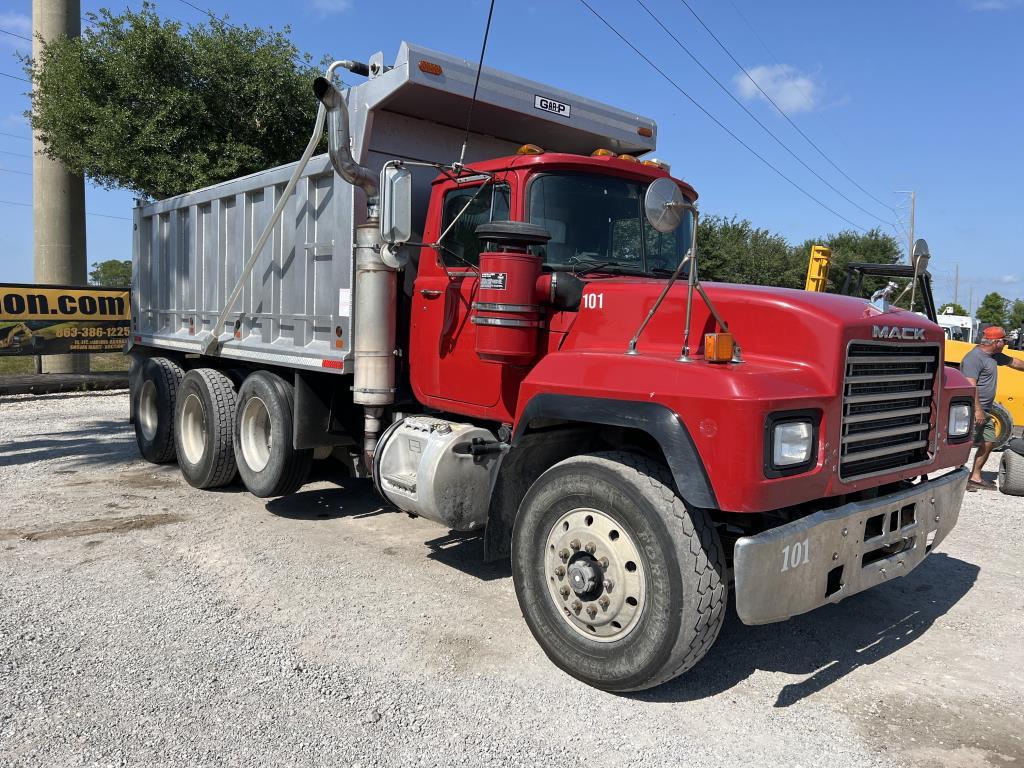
[(350, 498), (829, 643), (99, 443)]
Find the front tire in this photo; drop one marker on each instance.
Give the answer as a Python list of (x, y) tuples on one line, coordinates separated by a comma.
[(267, 460), (204, 425), (621, 583), (1011, 473)]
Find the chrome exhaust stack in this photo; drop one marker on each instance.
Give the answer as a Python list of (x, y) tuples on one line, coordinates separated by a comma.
[(339, 138), (375, 285)]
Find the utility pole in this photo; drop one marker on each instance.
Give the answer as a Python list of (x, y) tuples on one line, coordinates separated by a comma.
[(58, 196), (910, 246)]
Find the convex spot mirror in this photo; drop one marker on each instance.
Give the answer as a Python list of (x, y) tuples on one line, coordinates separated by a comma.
[(920, 256), (665, 205), (395, 204)]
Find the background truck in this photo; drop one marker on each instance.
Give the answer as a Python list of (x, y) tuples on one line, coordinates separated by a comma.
[(512, 336)]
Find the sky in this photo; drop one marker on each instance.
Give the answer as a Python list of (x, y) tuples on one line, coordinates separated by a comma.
[(898, 95)]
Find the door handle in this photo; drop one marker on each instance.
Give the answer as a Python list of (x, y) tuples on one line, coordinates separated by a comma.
[(429, 293)]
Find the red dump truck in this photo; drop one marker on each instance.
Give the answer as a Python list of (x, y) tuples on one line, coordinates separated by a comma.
[(511, 335)]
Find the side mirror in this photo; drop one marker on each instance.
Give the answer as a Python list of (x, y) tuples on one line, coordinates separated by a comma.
[(665, 205), (920, 256), (395, 204)]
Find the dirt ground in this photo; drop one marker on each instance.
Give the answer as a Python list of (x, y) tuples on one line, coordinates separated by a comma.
[(143, 622)]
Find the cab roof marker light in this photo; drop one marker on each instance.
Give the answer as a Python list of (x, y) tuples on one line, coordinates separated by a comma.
[(628, 158), (602, 153), (529, 149), (656, 163)]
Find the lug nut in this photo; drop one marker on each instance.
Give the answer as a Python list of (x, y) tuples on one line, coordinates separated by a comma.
[(564, 554), (845, 531), (560, 572), (604, 602), (608, 584), (564, 591), (590, 548), (574, 544), (835, 555), (577, 606), (592, 610), (604, 562)]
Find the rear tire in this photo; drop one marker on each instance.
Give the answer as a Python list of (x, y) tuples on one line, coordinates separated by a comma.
[(153, 401), (204, 426), (1011, 474), (267, 460), (622, 584)]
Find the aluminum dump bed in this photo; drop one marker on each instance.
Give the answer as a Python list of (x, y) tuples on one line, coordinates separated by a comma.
[(295, 305)]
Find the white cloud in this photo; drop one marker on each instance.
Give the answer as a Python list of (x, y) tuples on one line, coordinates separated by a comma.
[(330, 6), (19, 24), (792, 90), (1009, 279), (994, 5)]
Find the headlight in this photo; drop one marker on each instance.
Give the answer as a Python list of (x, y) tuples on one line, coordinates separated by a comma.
[(959, 419), (791, 443)]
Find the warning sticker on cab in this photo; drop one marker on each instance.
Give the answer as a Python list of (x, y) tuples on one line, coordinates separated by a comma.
[(493, 281)]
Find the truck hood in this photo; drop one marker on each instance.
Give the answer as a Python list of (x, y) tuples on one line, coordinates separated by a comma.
[(773, 325)]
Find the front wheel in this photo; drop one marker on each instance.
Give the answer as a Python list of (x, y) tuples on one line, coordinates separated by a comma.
[(621, 583)]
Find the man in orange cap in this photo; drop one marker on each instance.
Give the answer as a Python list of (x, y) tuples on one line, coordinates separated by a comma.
[(980, 366)]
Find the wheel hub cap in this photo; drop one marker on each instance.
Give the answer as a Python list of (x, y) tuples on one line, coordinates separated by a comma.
[(595, 574)]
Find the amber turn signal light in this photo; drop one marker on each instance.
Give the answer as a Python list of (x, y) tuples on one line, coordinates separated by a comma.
[(430, 67), (718, 347)]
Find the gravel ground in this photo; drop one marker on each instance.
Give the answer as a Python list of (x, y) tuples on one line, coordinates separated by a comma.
[(143, 622)]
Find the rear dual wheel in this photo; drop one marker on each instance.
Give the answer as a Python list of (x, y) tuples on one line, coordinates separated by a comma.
[(267, 460), (204, 428), (621, 583), (155, 392)]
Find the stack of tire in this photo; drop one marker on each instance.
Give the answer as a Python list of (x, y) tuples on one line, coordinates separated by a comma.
[(219, 425), (1011, 468)]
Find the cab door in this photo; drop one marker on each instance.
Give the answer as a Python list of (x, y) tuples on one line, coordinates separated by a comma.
[(445, 369)]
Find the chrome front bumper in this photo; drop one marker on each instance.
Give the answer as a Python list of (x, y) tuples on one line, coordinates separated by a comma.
[(830, 555)]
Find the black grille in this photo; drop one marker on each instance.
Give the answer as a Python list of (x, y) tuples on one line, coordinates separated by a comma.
[(887, 407)]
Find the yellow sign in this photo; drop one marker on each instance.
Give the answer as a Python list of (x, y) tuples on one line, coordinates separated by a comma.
[(51, 320)]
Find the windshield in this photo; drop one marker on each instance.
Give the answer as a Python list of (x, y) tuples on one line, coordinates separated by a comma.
[(596, 222)]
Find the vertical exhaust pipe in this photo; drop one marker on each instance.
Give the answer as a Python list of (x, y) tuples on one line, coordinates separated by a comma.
[(339, 137), (375, 284)]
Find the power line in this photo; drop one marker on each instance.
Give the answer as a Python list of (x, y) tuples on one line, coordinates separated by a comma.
[(795, 84), (15, 136), (15, 77), (15, 154), (101, 215), (753, 117), (15, 34), (715, 120), (20, 173)]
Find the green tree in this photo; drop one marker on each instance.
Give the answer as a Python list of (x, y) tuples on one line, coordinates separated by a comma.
[(149, 105), (112, 273), (992, 310), (734, 251), (957, 308), (1017, 314)]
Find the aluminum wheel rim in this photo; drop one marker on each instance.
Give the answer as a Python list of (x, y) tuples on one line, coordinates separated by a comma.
[(193, 429), (148, 414), (611, 609), (256, 434)]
